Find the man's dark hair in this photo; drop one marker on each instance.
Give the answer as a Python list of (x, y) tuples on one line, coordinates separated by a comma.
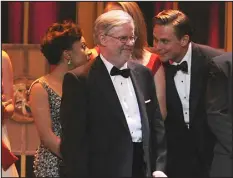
[(177, 19)]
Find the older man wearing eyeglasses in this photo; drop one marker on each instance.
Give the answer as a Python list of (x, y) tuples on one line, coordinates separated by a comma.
[(111, 121)]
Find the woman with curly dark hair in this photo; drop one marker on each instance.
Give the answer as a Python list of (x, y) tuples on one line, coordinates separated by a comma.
[(63, 46)]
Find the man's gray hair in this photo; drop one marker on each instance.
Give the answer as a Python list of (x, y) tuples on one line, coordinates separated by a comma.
[(106, 21)]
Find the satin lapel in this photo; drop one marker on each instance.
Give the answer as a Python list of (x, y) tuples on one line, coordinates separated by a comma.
[(141, 103), (197, 66), (106, 87)]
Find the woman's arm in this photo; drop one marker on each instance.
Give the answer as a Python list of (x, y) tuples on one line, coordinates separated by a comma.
[(41, 113), (160, 84), (7, 86)]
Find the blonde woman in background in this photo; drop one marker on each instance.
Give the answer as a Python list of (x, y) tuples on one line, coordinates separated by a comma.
[(8, 107)]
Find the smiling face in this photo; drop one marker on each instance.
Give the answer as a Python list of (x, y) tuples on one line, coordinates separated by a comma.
[(119, 43), (167, 45)]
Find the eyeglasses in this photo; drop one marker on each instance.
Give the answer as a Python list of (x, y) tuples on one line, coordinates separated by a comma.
[(124, 39)]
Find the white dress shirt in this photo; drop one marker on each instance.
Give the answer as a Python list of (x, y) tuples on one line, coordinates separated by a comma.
[(128, 100), (182, 82)]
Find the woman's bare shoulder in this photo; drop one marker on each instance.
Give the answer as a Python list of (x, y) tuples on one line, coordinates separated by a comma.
[(5, 58)]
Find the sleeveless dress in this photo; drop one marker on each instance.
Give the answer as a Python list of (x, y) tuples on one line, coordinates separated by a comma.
[(154, 63), (46, 163)]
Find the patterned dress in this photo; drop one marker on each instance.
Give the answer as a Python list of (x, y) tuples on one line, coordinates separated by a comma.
[(46, 163)]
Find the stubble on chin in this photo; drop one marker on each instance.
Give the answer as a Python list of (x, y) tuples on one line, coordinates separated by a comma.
[(163, 59)]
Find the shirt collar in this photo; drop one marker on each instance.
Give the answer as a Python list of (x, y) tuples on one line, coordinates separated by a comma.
[(187, 57), (109, 65)]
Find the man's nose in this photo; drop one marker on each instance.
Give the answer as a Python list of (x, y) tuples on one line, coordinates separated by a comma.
[(130, 42)]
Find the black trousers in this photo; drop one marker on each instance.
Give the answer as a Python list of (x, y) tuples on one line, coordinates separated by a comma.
[(139, 166)]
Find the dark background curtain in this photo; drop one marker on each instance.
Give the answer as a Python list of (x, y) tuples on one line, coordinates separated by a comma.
[(52, 12), (208, 19), (14, 17), (150, 9), (41, 16), (4, 22)]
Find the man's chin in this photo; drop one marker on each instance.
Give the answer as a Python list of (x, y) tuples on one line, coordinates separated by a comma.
[(126, 56), (163, 59), (127, 51)]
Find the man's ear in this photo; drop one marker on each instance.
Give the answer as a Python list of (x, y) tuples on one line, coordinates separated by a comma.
[(184, 40), (103, 40)]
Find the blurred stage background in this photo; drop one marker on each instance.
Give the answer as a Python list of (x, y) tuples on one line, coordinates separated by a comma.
[(24, 23)]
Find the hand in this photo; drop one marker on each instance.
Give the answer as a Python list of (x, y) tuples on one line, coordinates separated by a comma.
[(3, 97), (7, 111), (6, 103), (158, 174)]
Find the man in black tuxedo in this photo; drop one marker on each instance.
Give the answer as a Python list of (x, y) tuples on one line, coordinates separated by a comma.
[(219, 112), (111, 122), (189, 139)]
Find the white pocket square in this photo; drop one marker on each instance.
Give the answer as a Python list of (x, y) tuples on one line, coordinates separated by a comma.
[(147, 101)]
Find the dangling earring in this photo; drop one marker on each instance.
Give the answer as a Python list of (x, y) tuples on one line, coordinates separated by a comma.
[(88, 54), (70, 64)]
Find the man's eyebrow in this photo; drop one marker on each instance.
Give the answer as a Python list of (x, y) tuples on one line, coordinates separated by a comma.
[(161, 39)]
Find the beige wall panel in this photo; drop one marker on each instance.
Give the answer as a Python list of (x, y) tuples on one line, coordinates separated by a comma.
[(32, 139), (15, 136), (228, 27), (86, 12), (100, 8), (23, 137), (27, 61), (17, 60), (36, 63)]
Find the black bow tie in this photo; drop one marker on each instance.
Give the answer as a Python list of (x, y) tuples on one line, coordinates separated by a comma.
[(124, 72), (183, 67)]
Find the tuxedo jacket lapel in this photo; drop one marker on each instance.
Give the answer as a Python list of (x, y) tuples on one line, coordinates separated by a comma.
[(143, 113), (196, 80), (141, 104)]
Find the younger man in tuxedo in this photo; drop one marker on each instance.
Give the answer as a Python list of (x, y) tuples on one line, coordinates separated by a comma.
[(189, 140)]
